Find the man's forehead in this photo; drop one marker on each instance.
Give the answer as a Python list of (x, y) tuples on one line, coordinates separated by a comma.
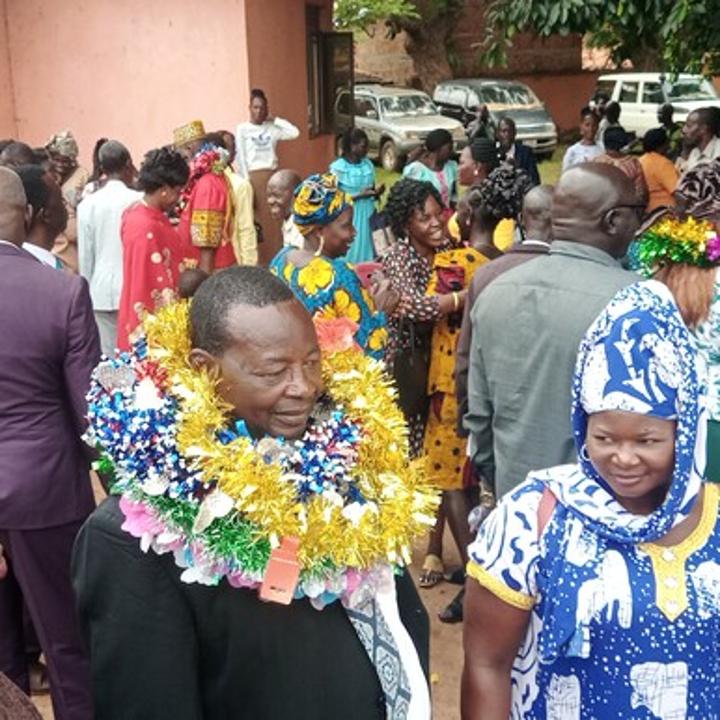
[(269, 326)]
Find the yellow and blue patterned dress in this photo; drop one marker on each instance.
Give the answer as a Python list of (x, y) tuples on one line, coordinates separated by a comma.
[(331, 288)]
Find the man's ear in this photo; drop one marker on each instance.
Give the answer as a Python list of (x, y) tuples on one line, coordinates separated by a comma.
[(609, 222), (202, 360), (28, 219)]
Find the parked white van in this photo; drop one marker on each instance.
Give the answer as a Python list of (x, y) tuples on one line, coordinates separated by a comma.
[(640, 95)]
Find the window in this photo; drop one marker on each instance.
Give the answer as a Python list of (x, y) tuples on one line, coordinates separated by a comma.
[(691, 89), (366, 107), (513, 94), (441, 94), (344, 105), (472, 99), (629, 92), (330, 76), (457, 96), (408, 106), (653, 93)]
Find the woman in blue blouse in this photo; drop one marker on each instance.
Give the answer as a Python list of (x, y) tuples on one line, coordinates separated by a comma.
[(596, 590), (356, 176), (319, 275), (436, 167)]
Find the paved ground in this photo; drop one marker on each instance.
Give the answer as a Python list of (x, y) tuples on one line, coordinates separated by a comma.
[(445, 646)]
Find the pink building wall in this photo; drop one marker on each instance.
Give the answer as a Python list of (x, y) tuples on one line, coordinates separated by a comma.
[(8, 126), (133, 70), (277, 63)]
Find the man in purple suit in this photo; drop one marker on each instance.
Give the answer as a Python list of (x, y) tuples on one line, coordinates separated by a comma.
[(49, 345)]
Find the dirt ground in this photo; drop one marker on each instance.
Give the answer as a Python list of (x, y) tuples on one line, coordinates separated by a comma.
[(445, 642)]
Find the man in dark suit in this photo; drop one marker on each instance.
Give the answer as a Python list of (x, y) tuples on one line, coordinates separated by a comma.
[(521, 155), (48, 350), (165, 649)]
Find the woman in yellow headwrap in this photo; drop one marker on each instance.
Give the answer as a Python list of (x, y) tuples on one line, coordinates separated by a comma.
[(319, 275)]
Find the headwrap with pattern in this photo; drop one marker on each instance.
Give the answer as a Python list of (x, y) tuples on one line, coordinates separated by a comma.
[(637, 356), (63, 143), (318, 201)]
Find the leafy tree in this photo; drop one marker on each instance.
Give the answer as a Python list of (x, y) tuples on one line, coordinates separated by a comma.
[(366, 14), (674, 35), (428, 25)]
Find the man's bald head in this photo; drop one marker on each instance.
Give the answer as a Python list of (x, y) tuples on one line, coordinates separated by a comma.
[(13, 207), (280, 189), (16, 154), (596, 204), (536, 217)]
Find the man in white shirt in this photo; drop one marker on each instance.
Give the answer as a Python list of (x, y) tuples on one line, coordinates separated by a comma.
[(700, 133), (99, 245), (257, 160), (280, 191), (49, 214)]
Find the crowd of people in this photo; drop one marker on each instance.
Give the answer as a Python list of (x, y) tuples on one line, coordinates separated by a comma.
[(284, 384)]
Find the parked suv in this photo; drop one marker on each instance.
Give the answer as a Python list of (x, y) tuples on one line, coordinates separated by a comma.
[(460, 98), (396, 120), (640, 95)]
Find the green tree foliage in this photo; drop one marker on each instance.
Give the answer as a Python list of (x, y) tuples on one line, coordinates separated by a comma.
[(365, 14), (673, 35)]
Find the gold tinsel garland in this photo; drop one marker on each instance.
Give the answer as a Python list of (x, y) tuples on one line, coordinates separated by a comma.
[(405, 503)]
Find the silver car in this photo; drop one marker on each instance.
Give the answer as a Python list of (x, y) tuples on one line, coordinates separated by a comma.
[(504, 98), (396, 120)]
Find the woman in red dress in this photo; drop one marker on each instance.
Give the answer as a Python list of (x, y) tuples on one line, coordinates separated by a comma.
[(151, 245)]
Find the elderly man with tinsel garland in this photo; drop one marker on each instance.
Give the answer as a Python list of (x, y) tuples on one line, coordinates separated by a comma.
[(249, 562), (206, 203)]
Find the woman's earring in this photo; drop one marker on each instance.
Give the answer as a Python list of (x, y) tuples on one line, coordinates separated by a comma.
[(584, 453), (318, 252)]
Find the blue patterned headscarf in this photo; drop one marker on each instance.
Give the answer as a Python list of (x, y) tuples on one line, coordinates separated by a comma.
[(637, 356), (318, 201)]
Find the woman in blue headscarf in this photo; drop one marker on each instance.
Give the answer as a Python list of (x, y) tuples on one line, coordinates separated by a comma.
[(596, 590), (318, 273)]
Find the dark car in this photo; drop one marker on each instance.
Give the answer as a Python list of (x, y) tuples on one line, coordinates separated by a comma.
[(460, 99)]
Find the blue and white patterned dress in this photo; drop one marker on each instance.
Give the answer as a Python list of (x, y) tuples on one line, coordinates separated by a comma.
[(640, 663), (620, 626)]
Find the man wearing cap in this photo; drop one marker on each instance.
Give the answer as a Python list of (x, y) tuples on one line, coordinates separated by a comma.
[(206, 219)]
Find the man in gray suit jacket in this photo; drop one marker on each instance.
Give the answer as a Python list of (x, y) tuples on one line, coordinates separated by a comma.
[(48, 350)]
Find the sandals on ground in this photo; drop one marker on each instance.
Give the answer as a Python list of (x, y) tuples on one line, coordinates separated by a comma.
[(433, 571)]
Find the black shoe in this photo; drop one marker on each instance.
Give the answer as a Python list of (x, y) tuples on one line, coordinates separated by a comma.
[(453, 613)]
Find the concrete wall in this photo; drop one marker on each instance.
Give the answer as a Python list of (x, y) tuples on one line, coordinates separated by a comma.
[(8, 125), (564, 94), (134, 70)]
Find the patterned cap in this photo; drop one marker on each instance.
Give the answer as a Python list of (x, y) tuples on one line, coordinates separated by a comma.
[(63, 143), (194, 130)]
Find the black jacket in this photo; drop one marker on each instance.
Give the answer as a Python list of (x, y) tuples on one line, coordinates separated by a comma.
[(165, 650), (525, 160)]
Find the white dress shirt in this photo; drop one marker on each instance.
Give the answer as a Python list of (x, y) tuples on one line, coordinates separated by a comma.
[(99, 246), (256, 144), (43, 255)]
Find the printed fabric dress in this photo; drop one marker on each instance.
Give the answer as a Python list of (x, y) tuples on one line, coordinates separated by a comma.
[(444, 450), (409, 274), (354, 178), (654, 634), (151, 267), (620, 625), (331, 288)]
